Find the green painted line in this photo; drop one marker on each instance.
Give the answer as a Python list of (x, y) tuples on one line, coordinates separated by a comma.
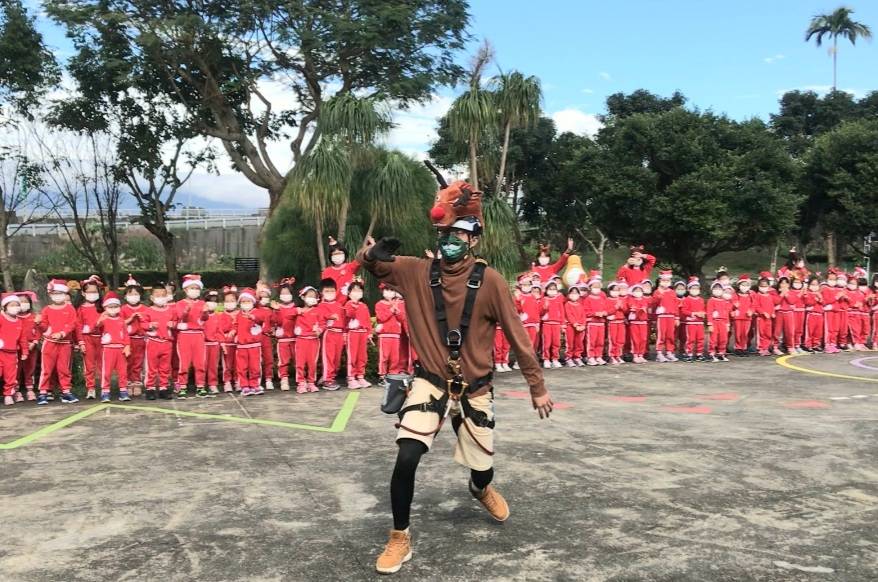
[(339, 423), (47, 430)]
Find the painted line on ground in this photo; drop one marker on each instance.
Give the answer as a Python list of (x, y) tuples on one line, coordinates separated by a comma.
[(785, 362), (859, 363), (339, 423)]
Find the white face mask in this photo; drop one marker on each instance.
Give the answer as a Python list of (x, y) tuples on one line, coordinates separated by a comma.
[(717, 292), (25, 306), (852, 287), (161, 300), (543, 261), (329, 296), (58, 298), (389, 295), (310, 301), (830, 282), (230, 305), (246, 305), (614, 293), (664, 284), (13, 309), (286, 298), (92, 297), (637, 294), (695, 292), (551, 292), (595, 290), (264, 300), (727, 296), (132, 299), (193, 292), (211, 305), (745, 288), (573, 296), (112, 311), (337, 259), (764, 289), (526, 288), (356, 295)]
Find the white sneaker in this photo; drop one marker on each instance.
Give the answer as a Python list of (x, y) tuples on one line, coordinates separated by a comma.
[(91, 395), (547, 364), (672, 358), (515, 366), (660, 357), (285, 384), (556, 364), (498, 367), (570, 364), (269, 385), (591, 362), (506, 368)]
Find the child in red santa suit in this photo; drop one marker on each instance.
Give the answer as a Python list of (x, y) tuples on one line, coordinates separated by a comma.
[(334, 325), (596, 307), (858, 312), (637, 308), (617, 320), (158, 322), (14, 346), (812, 299), (719, 309), (190, 314), (528, 306), (213, 337), (666, 307), (680, 291), (285, 314), (228, 345), (742, 315), (829, 291), (388, 327), (765, 311), (115, 347), (88, 338), (406, 351), (574, 312), (842, 309), (266, 314), (308, 329), (797, 287), (872, 301), (28, 366), (501, 351), (132, 312), (250, 325), (57, 325), (788, 298), (544, 268), (552, 318), (359, 328), (637, 268), (340, 271), (693, 314)]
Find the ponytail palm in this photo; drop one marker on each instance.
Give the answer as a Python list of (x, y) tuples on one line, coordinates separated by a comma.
[(518, 101)]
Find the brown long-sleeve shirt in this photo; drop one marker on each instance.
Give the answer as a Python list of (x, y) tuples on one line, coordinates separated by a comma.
[(494, 305)]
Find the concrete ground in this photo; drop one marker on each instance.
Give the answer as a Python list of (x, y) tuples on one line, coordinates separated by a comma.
[(741, 471)]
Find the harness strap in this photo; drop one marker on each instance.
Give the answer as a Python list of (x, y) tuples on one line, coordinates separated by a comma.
[(454, 339)]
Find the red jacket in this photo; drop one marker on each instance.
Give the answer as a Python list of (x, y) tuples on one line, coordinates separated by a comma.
[(227, 325), (114, 332), (666, 303), (387, 322), (285, 322), (29, 329), (358, 318), (135, 324), (213, 331), (158, 323), (87, 315), (813, 301), (787, 303), (529, 308), (575, 312), (636, 275), (617, 309), (59, 319), (742, 306), (595, 305), (639, 308), (250, 327), (308, 323), (343, 275), (719, 309), (266, 315), (857, 301), (765, 304), (190, 314), (551, 269), (12, 336), (552, 309), (332, 314), (692, 309)]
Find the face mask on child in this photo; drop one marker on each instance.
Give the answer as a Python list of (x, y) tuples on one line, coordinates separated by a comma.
[(25, 306), (814, 288), (745, 288), (161, 300), (310, 301), (286, 298), (337, 259), (92, 297), (13, 310), (246, 305), (132, 299), (717, 292), (112, 311), (58, 298), (614, 292), (680, 292), (193, 292), (388, 294), (594, 290), (623, 291), (694, 291), (543, 261), (852, 286), (355, 295), (230, 305), (830, 282), (664, 284), (551, 292), (764, 288), (573, 296), (637, 294), (329, 295), (526, 289), (211, 305), (797, 285), (727, 295)]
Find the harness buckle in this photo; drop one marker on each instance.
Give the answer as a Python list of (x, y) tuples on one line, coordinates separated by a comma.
[(474, 284), (456, 387), (435, 281), (454, 339)]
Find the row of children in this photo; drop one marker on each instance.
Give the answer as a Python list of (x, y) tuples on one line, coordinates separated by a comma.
[(795, 312)]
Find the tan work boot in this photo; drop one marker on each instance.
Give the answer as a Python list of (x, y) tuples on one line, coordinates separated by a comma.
[(491, 499), (397, 552)]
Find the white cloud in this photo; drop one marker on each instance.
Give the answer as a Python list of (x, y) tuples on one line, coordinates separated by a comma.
[(230, 188), (588, 91), (604, 75), (774, 59), (577, 121), (416, 128)]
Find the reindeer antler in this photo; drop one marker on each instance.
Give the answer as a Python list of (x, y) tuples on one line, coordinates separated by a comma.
[(439, 178)]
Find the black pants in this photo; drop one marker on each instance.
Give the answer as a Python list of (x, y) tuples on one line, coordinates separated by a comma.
[(402, 484)]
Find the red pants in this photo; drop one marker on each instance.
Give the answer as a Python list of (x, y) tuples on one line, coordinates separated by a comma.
[(267, 358), (551, 340), (681, 336), (307, 351), (786, 323), (357, 346), (211, 363), (842, 328), (595, 332), (332, 349), (191, 353), (229, 356), (814, 329), (719, 337), (135, 360), (157, 371), (575, 343), (286, 355), (28, 368), (91, 359), (9, 372), (637, 335), (248, 362), (694, 337), (55, 358), (533, 332), (113, 360), (764, 333), (742, 333), (388, 354), (874, 328), (616, 338), (800, 326), (501, 347), (858, 324), (665, 334)]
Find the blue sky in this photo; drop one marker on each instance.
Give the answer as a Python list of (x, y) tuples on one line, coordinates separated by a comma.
[(734, 57)]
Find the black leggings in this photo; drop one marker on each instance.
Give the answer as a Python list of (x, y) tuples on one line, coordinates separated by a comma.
[(402, 484)]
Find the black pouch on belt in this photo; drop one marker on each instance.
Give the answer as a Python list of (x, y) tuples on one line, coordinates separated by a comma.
[(396, 389)]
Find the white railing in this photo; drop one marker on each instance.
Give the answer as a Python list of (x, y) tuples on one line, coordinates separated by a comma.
[(174, 223)]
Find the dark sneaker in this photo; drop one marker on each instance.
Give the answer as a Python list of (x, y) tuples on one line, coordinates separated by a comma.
[(42, 400), (69, 398), (150, 394)]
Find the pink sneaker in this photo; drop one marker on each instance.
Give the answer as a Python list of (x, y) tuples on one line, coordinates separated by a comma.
[(8, 400), (31, 396), (227, 387), (302, 388), (591, 362), (18, 397), (353, 384), (364, 383), (312, 387), (777, 351), (660, 357)]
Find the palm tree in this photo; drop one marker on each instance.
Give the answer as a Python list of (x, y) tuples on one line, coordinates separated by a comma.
[(518, 99), (836, 24), (473, 110)]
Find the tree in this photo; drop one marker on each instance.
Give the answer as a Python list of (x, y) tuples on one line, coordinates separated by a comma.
[(620, 105), (27, 66), (804, 115), (836, 24), (518, 99), (252, 73), (841, 176)]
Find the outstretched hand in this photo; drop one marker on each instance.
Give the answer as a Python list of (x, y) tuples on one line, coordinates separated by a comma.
[(543, 405), (383, 250), (569, 245)]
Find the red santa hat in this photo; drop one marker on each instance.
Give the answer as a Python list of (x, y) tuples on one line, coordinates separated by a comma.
[(842, 276), (693, 282), (230, 289), (29, 295), (131, 282), (859, 272), (304, 290), (7, 298), (57, 286), (111, 299), (622, 283), (594, 276), (766, 275), (192, 281), (247, 293), (744, 278), (92, 279), (666, 274)]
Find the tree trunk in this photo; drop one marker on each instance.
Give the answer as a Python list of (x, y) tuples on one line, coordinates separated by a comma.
[(343, 221), (5, 263), (170, 248), (773, 265), (503, 153), (834, 63), (372, 222), (830, 248), (274, 197), (321, 254), (473, 163)]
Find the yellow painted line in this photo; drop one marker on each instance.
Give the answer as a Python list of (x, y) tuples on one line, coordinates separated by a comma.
[(339, 423), (785, 362)]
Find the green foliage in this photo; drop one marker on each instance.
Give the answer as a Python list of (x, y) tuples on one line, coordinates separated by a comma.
[(499, 239), (621, 105), (837, 24), (139, 252), (27, 66), (321, 181), (804, 115)]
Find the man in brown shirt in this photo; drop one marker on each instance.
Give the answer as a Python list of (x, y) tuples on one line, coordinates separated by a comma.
[(474, 420)]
